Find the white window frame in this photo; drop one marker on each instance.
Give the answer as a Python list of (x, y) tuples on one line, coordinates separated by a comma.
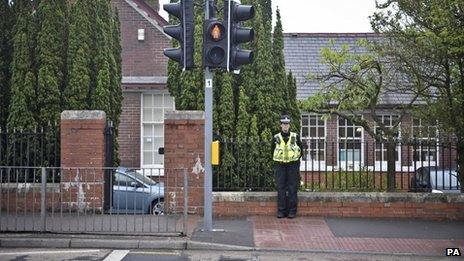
[(437, 155), (382, 164), (309, 164), (350, 164), (142, 122)]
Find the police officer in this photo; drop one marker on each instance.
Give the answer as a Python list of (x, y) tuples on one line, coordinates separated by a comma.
[(287, 147)]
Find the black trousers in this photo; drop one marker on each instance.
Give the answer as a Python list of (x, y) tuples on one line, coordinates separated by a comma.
[(287, 177)]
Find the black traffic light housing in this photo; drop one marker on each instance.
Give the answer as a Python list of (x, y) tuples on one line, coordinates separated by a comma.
[(183, 32), (214, 44), (234, 15)]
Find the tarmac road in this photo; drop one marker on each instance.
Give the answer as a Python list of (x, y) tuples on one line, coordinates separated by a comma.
[(36, 254)]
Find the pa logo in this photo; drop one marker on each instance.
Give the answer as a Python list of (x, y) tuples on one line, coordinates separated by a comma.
[(453, 252)]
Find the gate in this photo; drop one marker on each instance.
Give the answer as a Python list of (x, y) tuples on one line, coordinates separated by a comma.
[(72, 200)]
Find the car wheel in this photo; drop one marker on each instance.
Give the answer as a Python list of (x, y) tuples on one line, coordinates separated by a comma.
[(157, 207)]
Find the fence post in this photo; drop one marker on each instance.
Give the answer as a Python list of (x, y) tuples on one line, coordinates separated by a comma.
[(185, 201), (43, 190)]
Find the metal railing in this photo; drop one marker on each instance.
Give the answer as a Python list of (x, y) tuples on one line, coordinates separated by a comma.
[(30, 148), (35, 199), (348, 165)]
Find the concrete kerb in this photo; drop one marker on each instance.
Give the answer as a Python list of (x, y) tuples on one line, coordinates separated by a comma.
[(162, 245), (36, 242), (106, 243)]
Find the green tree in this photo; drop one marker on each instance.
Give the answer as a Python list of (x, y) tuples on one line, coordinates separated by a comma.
[(192, 82), (23, 99), (281, 100), (266, 178), (254, 169), (264, 78), (242, 138), (104, 61), (426, 43), (6, 49), (79, 66), (226, 125), (116, 92), (293, 107), (51, 58), (358, 82), (266, 7)]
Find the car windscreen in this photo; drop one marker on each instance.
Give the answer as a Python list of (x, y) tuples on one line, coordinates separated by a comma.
[(141, 177)]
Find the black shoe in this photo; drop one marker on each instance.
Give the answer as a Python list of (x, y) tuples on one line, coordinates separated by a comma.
[(280, 215), (291, 215)]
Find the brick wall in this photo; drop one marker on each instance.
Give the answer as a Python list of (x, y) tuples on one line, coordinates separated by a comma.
[(184, 148), (82, 146), (370, 205), (140, 58), (129, 130)]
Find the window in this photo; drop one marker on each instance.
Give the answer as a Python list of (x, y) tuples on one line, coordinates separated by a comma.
[(350, 140), (141, 34), (123, 180), (381, 148), (313, 135), (425, 135), (153, 108)]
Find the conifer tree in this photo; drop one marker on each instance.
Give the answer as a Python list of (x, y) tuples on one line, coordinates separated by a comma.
[(264, 78), (51, 52), (294, 110), (226, 126), (79, 66), (6, 49), (265, 161), (191, 82), (266, 7), (117, 78), (253, 161), (242, 137), (280, 80), (23, 98), (99, 96), (174, 72)]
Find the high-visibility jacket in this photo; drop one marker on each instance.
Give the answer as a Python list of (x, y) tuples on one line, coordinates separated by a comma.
[(286, 152)]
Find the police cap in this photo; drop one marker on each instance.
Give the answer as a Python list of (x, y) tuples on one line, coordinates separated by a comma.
[(285, 119)]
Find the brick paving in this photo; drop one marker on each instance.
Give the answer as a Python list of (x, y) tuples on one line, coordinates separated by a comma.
[(313, 233)]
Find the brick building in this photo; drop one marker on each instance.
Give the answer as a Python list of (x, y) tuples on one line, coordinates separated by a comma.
[(337, 144), (144, 75)]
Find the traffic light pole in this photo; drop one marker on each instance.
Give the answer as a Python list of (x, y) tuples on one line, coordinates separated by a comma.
[(208, 210)]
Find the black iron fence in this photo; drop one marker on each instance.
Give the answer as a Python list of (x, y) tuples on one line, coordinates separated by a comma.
[(347, 165), (40, 147)]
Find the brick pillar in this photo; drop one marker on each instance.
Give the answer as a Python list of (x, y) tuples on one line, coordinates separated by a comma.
[(82, 159), (184, 148)]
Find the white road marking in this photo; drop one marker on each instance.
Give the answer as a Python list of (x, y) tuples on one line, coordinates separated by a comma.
[(48, 252), (117, 255)]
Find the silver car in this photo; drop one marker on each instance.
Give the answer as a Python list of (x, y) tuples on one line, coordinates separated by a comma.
[(134, 193), (435, 180)]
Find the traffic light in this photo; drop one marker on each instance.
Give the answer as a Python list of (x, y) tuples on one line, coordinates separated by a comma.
[(182, 32), (234, 15), (214, 44)]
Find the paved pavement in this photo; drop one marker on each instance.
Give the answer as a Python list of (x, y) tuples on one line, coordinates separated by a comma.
[(312, 235)]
